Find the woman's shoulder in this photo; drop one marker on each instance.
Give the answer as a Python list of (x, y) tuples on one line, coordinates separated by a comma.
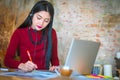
[(21, 29), (53, 30)]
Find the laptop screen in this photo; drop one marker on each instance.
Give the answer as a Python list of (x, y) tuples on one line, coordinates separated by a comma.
[(81, 55)]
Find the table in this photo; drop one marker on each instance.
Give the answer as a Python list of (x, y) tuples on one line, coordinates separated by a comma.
[(23, 78), (14, 78), (38, 73), (12, 74)]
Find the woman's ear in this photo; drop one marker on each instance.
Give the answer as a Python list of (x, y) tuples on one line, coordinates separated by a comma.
[(31, 14)]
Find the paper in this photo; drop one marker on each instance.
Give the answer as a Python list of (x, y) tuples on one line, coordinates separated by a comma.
[(34, 74), (44, 75)]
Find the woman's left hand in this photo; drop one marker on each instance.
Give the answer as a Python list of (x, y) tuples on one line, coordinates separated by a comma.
[(52, 68)]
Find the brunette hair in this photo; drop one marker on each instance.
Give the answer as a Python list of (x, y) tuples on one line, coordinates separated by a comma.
[(42, 5)]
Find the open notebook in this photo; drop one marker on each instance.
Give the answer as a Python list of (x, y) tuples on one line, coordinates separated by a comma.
[(82, 55)]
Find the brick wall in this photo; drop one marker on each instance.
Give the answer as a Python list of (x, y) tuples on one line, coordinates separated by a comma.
[(83, 19)]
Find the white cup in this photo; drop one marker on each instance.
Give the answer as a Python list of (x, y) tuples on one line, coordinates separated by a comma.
[(64, 71), (108, 70), (118, 55)]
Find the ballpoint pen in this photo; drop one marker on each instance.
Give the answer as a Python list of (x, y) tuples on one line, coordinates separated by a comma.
[(29, 55)]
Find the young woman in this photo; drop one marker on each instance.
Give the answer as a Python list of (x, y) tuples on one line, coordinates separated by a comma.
[(35, 40)]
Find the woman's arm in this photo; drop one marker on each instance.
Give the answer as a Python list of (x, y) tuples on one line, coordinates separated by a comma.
[(9, 60), (54, 56)]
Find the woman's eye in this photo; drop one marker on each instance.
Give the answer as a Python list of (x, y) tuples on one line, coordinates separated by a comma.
[(38, 18), (47, 21)]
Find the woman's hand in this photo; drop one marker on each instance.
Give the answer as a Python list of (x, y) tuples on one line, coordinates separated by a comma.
[(52, 68), (28, 66), (56, 69)]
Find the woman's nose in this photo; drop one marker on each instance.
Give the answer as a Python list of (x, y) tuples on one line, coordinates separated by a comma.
[(41, 22)]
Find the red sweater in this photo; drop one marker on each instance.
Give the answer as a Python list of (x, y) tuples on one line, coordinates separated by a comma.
[(20, 40)]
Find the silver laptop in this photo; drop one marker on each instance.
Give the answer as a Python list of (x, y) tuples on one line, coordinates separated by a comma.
[(82, 55)]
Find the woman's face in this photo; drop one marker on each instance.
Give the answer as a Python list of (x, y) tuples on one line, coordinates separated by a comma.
[(40, 20)]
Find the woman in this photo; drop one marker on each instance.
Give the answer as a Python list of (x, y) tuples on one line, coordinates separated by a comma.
[(34, 39)]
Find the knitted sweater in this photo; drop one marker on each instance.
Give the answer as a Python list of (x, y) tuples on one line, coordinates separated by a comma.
[(20, 41)]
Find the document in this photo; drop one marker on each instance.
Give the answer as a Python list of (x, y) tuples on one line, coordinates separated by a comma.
[(38, 74), (44, 75)]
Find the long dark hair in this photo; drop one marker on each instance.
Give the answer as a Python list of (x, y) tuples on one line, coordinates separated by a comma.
[(39, 6), (42, 6)]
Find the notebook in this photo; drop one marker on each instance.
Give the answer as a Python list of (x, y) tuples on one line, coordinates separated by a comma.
[(81, 56)]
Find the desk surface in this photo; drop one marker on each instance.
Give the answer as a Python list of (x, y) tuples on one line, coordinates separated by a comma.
[(39, 75), (11, 76), (23, 78), (14, 78)]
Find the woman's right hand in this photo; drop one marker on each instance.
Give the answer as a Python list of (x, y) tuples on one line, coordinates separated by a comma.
[(27, 67)]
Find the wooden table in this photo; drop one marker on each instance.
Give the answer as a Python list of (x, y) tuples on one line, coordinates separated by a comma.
[(14, 78), (25, 78), (3, 77)]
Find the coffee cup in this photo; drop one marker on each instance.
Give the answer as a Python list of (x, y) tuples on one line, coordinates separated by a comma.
[(108, 70), (64, 71)]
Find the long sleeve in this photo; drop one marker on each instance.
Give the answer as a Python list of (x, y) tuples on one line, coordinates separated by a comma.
[(9, 60), (54, 59), (20, 40)]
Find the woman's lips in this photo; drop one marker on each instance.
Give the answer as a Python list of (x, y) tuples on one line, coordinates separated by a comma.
[(39, 26)]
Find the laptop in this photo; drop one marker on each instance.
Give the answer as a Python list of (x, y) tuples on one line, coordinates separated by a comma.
[(81, 56)]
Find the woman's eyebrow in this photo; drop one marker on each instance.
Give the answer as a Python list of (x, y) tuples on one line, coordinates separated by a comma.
[(39, 15), (42, 17)]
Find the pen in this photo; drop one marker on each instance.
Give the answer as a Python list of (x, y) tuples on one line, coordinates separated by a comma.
[(29, 55)]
